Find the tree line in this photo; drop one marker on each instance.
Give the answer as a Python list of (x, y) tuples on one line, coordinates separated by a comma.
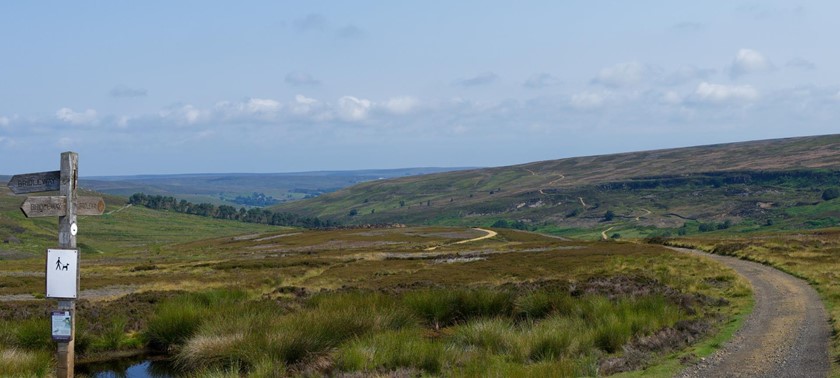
[(254, 215)]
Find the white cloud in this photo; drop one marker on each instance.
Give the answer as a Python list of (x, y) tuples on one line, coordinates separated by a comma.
[(541, 80), (719, 93), (401, 105), (623, 74), (587, 100), (186, 114), (304, 105), (122, 121), (686, 74), (65, 142), (4, 121), (749, 61), (671, 97), (353, 109), (76, 118), (837, 96), (261, 105)]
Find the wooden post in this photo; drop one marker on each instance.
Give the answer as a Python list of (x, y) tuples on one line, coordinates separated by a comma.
[(66, 353), (66, 206)]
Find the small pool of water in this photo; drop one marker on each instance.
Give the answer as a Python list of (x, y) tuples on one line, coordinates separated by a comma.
[(141, 367)]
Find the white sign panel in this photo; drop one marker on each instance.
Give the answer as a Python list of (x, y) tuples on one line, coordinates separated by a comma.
[(62, 326), (62, 270)]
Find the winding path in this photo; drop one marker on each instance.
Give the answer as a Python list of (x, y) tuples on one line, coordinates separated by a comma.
[(490, 234), (786, 335)]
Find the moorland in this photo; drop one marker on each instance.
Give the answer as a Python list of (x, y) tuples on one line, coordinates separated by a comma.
[(464, 280)]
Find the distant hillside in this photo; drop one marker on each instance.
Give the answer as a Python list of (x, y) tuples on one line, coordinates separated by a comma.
[(771, 183), (244, 188)]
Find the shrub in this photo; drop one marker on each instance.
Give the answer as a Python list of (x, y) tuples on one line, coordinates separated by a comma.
[(830, 194), (706, 227)]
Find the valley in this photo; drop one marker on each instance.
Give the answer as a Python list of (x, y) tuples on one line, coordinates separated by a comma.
[(509, 271)]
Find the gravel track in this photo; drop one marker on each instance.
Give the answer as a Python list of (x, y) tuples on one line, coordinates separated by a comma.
[(786, 335)]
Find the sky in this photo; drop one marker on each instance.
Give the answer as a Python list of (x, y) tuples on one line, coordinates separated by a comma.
[(161, 87)]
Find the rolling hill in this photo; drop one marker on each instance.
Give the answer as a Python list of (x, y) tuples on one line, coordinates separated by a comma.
[(224, 188), (752, 185)]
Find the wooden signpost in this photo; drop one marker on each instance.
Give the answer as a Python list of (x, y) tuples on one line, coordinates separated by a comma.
[(66, 206), (56, 206), (35, 182)]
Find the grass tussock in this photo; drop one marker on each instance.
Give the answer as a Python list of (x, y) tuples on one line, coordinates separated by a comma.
[(418, 332), (21, 363), (404, 349)]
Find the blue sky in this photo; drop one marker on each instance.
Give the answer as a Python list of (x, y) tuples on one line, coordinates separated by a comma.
[(269, 86)]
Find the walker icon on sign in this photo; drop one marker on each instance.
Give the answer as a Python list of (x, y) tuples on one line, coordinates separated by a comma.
[(59, 266), (62, 273)]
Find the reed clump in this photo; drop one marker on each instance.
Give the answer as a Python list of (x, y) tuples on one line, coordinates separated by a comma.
[(428, 331)]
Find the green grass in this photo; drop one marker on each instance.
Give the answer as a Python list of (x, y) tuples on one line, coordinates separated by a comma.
[(404, 349), (20, 363), (373, 282), (374, 332)]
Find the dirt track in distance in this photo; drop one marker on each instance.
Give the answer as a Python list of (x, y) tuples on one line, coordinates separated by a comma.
[(786, 335)]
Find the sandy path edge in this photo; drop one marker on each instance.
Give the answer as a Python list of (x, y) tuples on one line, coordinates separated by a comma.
[(786, 335)]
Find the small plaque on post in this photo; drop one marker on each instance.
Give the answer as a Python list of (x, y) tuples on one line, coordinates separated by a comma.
[(62, 326), (62, 270)]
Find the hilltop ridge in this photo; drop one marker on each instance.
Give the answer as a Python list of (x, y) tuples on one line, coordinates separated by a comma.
[(756, 181)]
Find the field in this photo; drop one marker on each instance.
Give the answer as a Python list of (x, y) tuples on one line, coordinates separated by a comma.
[(370, 301)]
